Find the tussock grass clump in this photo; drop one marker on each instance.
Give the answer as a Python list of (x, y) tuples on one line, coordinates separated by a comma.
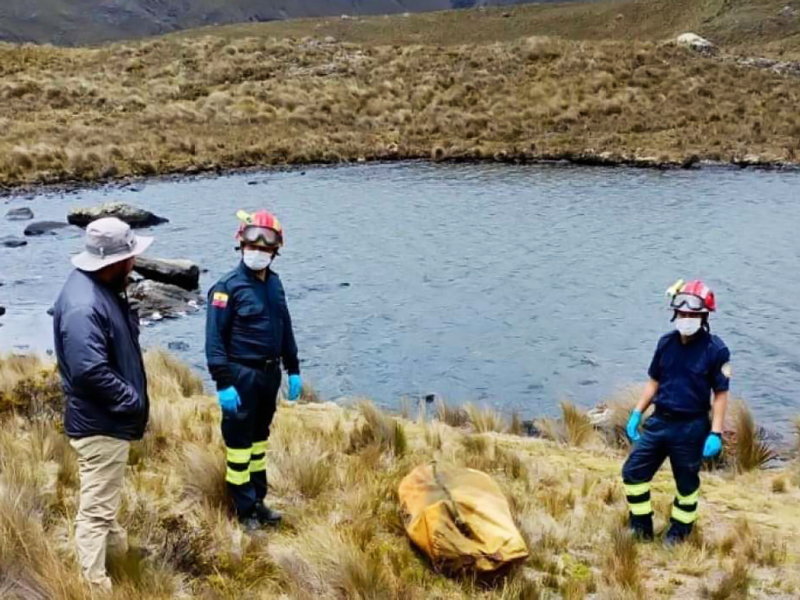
[(622, 567), (515, 426), (750, 450), (750, 547), (452, 416), (29, 387), (575, 428), (16, 367), (202, 471), (734, 584), (483, 420), (311, 474), (168, 377), (378, 429)]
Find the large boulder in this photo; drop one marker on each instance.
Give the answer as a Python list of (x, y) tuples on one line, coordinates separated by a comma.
[(183, 273), (135, 217), (696, 43), (12, 242), (44, 228), (20, 214), (155, 300)]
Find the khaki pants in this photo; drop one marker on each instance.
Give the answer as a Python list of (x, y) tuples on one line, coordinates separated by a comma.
[(101, 465)]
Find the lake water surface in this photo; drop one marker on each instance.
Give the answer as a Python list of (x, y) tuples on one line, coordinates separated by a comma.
[(510, 286)]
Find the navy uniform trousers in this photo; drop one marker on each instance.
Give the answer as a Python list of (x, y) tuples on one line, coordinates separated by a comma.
[(679, 439), (246, 433)]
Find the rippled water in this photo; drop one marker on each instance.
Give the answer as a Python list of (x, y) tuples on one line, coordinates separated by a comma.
[(512, 286)]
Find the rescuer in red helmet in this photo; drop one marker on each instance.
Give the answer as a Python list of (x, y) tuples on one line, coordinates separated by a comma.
[(690, 365), (248, 335)]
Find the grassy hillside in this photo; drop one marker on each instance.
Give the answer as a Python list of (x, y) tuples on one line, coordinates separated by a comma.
[(185, 104), (335, 472), (77, 22), (450, 85), (733, 23)]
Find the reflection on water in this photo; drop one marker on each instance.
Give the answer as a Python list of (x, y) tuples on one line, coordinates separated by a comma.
[(514, 286)]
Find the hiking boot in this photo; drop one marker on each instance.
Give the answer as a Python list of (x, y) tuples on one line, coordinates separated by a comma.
[(677, 533), (641, 527), (266, 516)]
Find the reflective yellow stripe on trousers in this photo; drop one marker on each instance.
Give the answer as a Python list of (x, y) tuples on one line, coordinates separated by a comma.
[(238, 456), (684, 509), (638, 496)]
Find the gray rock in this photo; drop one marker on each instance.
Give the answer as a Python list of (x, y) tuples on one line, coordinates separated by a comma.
[(135, 217), (178, 346), (155, 300), (12, 242), (20, 214), (183, 273), (696, 43), (44, 228)]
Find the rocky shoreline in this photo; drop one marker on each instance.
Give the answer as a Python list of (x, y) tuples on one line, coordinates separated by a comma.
[(567, 159)]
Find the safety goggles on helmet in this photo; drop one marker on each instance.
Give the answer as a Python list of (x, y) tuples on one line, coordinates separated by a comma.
[(688, 302), (260, 235)]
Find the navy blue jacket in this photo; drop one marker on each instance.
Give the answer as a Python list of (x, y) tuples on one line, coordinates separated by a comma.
[(100, 361), (688, 373), (247, 322)]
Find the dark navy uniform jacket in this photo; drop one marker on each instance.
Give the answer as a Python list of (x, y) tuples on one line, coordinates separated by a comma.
[(248, 322), (688, 373)]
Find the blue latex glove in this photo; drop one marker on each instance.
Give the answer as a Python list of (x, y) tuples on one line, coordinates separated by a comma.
[(229, 400), (632, 428), (713, 445), (295, 387)]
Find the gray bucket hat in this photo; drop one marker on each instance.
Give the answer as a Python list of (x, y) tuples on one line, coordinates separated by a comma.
[(109, 241)]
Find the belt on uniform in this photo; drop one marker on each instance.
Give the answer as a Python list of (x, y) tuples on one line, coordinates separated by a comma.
[(673, 415), (265, 364)]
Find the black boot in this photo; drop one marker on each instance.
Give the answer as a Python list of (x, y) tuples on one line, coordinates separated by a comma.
[(267, 516), (677, 533), (641, 526)]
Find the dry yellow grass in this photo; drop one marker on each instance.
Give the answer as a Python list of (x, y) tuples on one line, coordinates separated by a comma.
[(741, 23), (334, 472), (185, 104)]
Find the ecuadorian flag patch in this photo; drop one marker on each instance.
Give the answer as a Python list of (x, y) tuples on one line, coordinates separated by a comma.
[(220, 300)]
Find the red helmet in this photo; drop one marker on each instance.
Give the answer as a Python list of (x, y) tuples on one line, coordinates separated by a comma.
[(260, 226), (693, 296)]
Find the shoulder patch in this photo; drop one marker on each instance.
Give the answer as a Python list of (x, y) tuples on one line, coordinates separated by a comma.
[(219, 300), (727, 370)]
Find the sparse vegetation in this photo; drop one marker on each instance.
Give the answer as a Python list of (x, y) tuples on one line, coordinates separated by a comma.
[(733, 585), (334, 472)]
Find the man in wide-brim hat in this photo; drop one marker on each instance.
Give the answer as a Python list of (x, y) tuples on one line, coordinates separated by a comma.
[(100, 362)]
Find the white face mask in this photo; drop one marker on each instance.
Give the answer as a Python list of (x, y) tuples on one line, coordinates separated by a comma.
[(256, 260), (688, 326)]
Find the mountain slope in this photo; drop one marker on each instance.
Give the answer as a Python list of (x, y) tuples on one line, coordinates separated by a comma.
[(76, 22)]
